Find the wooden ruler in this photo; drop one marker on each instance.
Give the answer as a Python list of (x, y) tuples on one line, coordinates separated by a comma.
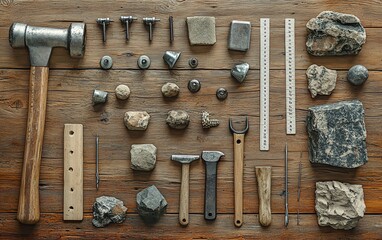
[(264, 83), (73, 172), (290, 76)]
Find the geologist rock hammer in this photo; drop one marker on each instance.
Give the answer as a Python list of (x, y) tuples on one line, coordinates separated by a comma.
[(40, 41)]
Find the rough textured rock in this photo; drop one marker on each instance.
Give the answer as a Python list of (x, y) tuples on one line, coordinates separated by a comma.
[(333, 33), (239, 72), (321, 80), (339, 205), (122, 92), (151, 204), (108, 210), (178, 119), (170, 90), (136, 120), (337, 134), (143, 157), (357, 75), (201, 30)]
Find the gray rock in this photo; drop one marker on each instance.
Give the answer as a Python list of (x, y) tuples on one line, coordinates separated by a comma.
[(357, 75), (321, 80), (239, 72), (333, 33), (178, 119), (108, 210), (143, 157), (151, 204), (201, 30), (170, 90), (339, 205), (136, 120), (122, 92), (337, 134)]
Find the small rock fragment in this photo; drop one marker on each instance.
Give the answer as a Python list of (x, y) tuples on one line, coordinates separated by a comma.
[(99, 97), (137, 120), (143, 157), (207, 122), (333, 33), (337, 134), (339, 205), (201, 30), (170, 90), (321, 80), (151, 204), (108, 210), (239, 72), (178, 119), (122, 92), (357, 75)]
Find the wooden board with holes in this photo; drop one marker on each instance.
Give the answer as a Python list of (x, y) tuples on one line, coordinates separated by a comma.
[(69, 101)]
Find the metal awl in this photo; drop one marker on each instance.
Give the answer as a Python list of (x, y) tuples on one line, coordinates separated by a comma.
[(97, 161), (286, 186)]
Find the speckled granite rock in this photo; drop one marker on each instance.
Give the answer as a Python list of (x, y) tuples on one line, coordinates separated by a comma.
[(333, 33), (108, 210), (357, 75), (339, 205), (321, 80), (337, 134), (151, 204)]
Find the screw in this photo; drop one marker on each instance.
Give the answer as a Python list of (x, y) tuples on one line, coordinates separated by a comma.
[(106, 62), (104, 22), (193, 62), (127, 20), (171, 23), (144, 62), (194, 85), (221, 93), (207, 122), (150, 21)]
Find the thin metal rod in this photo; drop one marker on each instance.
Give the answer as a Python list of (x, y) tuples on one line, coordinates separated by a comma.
[(286, 186), (127, 30), (104, 31), (97, 162), (150, 32), (171, 23), (299, 191)]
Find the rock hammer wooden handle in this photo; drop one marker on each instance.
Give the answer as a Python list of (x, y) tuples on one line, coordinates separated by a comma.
[(264, 176), (28, 209), (184, 195), (238, 177)]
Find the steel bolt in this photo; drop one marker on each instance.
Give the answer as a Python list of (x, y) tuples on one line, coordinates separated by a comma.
[(221, 93), (193, 62), (106, 62), (144, 62), (194, 85)]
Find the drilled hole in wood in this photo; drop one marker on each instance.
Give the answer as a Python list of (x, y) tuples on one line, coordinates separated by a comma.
[(238, 141), (72, 189), (70, 169), (71, 132), (184, 220), (238, 222), (71, 152), (71, 207)]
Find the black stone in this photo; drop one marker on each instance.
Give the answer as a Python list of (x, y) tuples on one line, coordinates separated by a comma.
[(151, 204), (337, 134)]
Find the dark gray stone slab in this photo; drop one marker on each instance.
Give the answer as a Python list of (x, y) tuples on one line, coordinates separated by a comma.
[(337, 134), (151, 204)]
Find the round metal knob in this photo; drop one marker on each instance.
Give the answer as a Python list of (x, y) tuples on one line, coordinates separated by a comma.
[(221, 93), (194, 85), (144, 62)]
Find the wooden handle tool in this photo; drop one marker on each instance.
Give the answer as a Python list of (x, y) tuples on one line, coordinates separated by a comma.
[(29, 210), (238, 177), (184, 195), (263, 177)]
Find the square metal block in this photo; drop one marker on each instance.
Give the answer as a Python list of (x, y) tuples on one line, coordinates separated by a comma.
[(239, 36)]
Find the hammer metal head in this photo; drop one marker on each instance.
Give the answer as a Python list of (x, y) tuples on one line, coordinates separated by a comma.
[(41, 40), (212, 156), (184, 158)]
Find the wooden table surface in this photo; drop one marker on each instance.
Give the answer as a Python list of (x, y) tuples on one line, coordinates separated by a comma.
[(69, 101)]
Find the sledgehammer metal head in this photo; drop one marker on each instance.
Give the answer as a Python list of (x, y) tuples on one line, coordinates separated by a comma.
[(212, 156), (41, 40), (184, 158)]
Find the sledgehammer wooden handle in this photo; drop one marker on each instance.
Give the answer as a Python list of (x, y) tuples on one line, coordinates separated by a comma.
[(238, 177), (29, 210), (263, 176)]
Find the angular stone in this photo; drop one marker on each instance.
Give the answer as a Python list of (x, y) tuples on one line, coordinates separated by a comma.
[(239, 72), (201, 30), (136, 120), (321, 80), (143, 157), (337, 134), (122, 92), (178, 119), (151, 204), (170, 90), (108, 210), (333, 33), (357, 75), (339, 205)]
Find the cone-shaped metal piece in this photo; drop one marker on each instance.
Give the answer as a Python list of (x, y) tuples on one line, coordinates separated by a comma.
[(239, 71), (171, 58)]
